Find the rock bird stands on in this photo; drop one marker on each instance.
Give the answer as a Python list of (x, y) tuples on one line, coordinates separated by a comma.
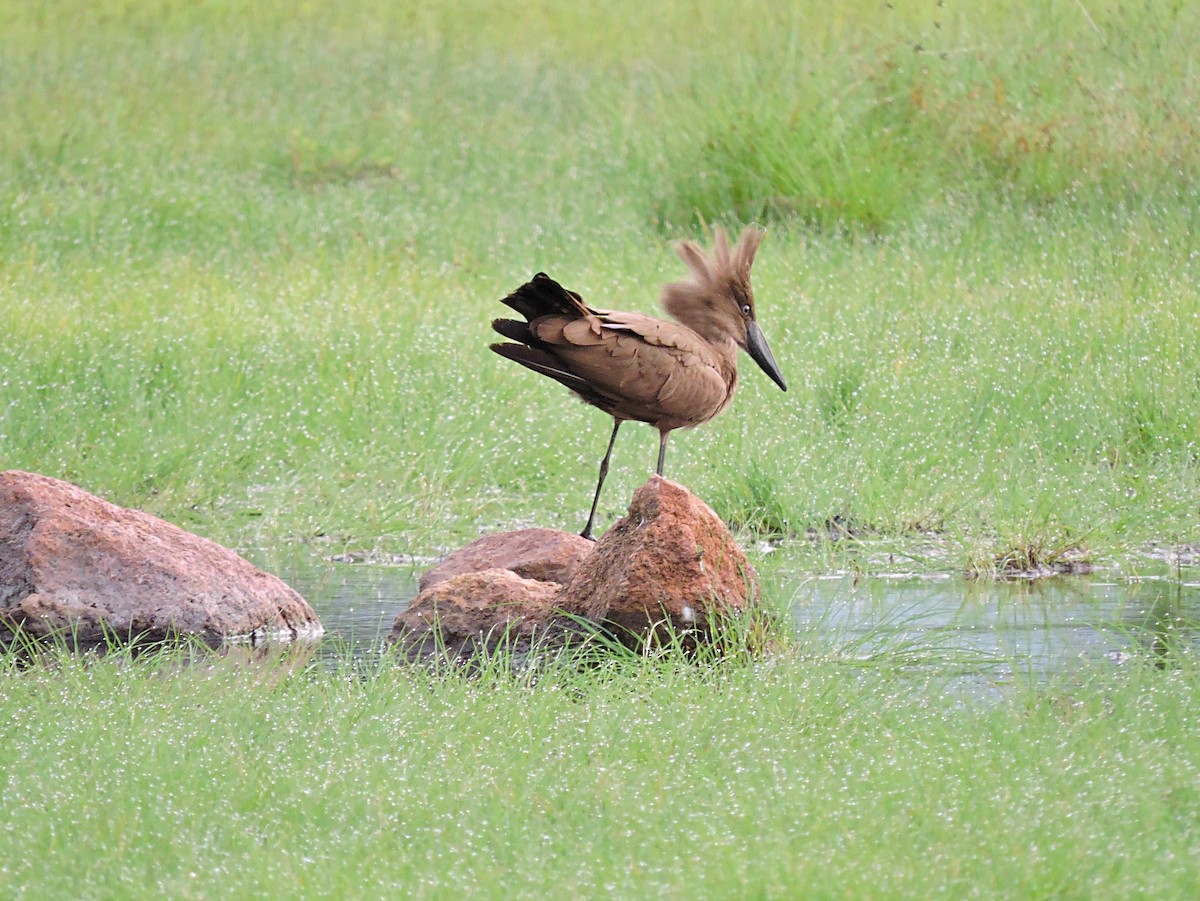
[(673, 375)]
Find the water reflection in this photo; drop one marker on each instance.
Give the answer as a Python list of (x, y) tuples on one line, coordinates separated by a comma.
[(1042, 626), (356, 602), (1166, 621)]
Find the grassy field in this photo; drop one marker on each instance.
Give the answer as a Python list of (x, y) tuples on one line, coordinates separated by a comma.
[(248, 257), (805, 777), (249, 253)]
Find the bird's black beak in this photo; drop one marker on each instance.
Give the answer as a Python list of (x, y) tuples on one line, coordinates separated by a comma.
[(760, 353)]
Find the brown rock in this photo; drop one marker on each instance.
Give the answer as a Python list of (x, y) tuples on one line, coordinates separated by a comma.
[(73, 564), (671, 559), (546, 555), (475, 611)]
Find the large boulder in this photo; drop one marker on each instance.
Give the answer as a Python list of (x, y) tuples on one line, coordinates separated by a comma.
[(670, 567), (667, 567), (74, 565), (459, 618), (544, 555)]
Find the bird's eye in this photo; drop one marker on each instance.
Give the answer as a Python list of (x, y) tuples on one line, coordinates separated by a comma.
[(745, 309)]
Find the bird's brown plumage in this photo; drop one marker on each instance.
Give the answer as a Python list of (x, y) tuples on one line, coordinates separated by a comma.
[(636, 367)]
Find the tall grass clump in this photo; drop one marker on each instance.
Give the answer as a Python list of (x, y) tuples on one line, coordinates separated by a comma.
[(935, 108)]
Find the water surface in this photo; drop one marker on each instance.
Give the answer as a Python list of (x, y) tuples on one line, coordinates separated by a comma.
[(1041, 626)]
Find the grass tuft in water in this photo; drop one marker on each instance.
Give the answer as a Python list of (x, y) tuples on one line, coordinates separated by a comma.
[(1032, 553)]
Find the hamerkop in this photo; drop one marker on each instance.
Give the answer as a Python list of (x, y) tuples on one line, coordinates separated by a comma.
[(673, 375)]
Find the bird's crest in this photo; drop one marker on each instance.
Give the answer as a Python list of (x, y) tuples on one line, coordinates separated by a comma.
[(722, 267), (722, 274)]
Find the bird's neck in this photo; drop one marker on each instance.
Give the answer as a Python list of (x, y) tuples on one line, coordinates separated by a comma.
[(713, 328), (726, 351), (715, 334)]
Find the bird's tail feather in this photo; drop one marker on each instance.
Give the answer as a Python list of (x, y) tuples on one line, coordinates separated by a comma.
[(515, 331), (540, 361), (543, 296)]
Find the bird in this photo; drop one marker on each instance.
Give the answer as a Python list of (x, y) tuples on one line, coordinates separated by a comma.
[(670, 374)]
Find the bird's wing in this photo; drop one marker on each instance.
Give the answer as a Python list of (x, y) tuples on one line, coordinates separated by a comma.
[(646, 368)]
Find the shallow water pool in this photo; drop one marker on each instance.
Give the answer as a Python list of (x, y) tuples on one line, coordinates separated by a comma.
[(1038, 627)]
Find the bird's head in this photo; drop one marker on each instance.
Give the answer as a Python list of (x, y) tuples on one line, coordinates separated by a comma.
[(717, 302)]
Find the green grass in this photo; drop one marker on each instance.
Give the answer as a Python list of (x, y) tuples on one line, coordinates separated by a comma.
[(811, 776), (867, 128), (248, 256)]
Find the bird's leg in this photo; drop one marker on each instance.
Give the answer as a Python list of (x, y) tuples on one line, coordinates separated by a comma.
[(662, 450), (587, 530)]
